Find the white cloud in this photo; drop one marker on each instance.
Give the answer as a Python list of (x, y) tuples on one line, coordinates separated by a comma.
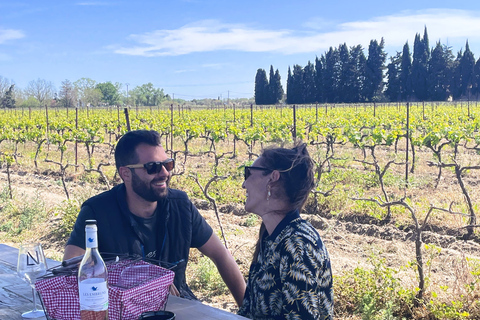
[(10, 34), (211, 35)]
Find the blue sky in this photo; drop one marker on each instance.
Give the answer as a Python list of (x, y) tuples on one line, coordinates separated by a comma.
[(197, 49)]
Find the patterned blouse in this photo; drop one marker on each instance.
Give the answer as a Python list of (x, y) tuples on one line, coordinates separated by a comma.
[(292, 277)]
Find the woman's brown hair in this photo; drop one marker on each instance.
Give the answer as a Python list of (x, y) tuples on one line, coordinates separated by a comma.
[(296, 177)]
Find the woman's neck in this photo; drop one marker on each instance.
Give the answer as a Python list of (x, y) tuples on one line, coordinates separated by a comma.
[(272, 219)]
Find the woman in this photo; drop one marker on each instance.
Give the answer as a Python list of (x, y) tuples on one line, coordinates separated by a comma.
[(290, 276)]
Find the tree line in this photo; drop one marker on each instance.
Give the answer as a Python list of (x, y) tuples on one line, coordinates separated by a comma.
[(81, 93), (347, 75)]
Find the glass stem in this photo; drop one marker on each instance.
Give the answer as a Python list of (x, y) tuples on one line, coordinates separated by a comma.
[(34, 292)]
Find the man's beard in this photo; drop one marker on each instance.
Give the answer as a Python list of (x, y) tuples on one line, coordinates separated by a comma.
[(146, 191)]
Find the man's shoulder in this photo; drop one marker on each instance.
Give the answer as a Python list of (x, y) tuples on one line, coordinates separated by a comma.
[(175, 194), (106, 197)]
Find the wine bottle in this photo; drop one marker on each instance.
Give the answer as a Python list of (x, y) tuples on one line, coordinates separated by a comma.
[(92, 278)]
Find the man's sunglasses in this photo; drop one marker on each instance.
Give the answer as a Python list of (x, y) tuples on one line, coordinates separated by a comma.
[(154, 166), (248, 169)]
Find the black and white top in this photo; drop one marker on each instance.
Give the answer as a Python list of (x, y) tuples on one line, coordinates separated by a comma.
[(292, 277)]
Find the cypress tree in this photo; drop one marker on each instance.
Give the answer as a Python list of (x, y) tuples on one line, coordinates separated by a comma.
[(405, 75), (298, 85), (8, 100), (344, 74), (319, 79), (261, 86), (476, 82), (277, 88), (467, 70), (270, 95), (456, 77), (309, 92), (439, 73), (374, 70), (331, 75), (289, 87), (393, 76), (420, 68)]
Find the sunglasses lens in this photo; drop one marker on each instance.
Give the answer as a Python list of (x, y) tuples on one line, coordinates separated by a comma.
[(156, 167), (246, 173), (152, 167), (169, 164)]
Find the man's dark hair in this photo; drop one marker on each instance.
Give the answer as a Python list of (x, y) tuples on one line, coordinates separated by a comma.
[(125, 150)]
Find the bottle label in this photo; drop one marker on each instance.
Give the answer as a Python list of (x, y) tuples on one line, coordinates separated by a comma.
[(93, 294), (91, 237)]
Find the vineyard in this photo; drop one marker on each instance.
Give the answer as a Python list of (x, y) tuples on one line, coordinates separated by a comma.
[(401, 173)]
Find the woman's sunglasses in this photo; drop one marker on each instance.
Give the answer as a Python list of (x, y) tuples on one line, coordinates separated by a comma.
[(248, 169), (154, 167)]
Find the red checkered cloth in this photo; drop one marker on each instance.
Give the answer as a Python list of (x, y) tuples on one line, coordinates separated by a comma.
[(133, 288)]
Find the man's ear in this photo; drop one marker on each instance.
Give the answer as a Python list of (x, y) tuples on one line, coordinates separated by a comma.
[(125, 173)]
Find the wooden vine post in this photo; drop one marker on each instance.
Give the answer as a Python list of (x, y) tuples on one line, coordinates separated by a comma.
[(407, 145), (76, 142), (294, 132), (47, 125), (171, 130), (251, 115), (127, 118)]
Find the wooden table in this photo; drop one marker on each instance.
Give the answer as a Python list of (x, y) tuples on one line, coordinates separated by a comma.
[(16, 295)]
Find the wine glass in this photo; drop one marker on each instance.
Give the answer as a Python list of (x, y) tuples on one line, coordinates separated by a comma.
[(31, 265)]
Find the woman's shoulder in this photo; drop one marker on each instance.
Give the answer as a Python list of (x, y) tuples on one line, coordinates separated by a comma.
[(301, 238)]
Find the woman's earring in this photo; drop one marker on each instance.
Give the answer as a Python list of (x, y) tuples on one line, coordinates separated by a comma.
[(269, 193)]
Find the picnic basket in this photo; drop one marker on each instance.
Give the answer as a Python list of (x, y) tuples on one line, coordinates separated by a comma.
[(135, 286)]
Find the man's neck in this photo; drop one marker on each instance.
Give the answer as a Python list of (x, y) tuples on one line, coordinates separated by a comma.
[(139, 206)]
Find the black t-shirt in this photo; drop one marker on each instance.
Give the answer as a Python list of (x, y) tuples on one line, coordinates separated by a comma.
[(179, 227), (147, 228)]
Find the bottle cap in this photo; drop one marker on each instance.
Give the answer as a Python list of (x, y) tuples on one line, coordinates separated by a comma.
[(90, 221)]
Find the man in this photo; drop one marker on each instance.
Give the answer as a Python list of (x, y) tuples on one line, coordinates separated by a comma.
[(143, 217)]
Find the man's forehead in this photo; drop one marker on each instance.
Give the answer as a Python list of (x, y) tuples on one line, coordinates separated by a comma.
[(144, 150)]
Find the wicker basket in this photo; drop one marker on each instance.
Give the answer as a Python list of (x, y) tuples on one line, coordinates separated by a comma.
[(134, 287)]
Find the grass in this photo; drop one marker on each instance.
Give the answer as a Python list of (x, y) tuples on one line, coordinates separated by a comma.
[(206, 278)]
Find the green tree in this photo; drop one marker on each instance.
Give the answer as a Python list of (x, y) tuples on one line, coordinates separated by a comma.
[(374, 70), (309, 91), (8, 100), (393, 76), (405, 76), (110, 93), (476, 81), (147, 95), (289, 87), (457, 77), (4, 85), (298, 89), (344, 73), (440, 73), (420, 67), (358, 63), (276, 87), (319, 79), (331, 75), (87, 92), (261, 87), (466, 72), (40, 89), (68, 94)]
